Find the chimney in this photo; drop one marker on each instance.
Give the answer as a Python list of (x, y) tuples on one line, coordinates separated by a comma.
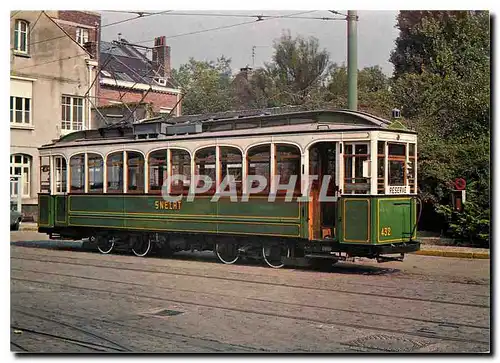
[(161, 57), (91, 47)]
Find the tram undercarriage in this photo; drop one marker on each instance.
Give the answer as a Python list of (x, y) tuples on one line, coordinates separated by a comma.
[(275, 253)]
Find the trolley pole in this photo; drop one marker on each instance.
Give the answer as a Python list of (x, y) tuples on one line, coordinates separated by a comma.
[(352, 60)]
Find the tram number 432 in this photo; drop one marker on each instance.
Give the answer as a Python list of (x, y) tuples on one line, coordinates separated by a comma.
[(386, 231)]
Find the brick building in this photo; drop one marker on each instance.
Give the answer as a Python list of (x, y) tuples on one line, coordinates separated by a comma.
[(128, 75), (83, 26)]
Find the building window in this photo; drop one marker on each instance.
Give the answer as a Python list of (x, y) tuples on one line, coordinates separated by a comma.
[(20, 166), (72, 113), (82, 36), (21, 36), (20, 110)]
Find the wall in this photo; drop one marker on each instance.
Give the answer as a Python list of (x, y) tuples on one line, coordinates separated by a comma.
[(157, 99), (57, 66), (69, 20)]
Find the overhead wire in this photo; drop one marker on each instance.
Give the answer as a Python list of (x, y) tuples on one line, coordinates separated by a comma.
[(289, 16), (258, 16), (103, 26), (263, 17), (135, 18), (229, 26)]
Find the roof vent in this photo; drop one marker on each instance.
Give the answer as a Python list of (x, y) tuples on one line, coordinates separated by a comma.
[(396, 113)]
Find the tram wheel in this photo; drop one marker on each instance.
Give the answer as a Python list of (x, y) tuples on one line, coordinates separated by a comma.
[(141, 246), (105, 245), (227, 253), (273, 255)]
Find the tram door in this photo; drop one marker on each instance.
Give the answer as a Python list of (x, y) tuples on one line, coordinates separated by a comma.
[(322, 214)]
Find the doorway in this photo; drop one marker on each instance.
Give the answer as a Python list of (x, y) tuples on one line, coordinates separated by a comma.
[(322, 214)]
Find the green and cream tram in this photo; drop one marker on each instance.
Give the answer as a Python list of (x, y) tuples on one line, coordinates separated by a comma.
[(110, 185)]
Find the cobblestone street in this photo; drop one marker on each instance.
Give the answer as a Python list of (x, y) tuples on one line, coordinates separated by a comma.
[(68, 298)]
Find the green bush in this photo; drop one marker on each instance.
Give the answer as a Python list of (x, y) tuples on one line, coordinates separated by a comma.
[(472, 225)]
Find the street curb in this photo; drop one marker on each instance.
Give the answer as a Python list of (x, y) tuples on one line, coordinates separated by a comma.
[(456, 254)]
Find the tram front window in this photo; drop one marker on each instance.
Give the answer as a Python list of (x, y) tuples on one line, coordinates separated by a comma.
[(397, 164)]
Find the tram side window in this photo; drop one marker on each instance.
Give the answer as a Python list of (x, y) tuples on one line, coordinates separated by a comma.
[(205, 166), (381, 167), (396, 164), (355, 156), (77, 172), (231, 164), (114, 165), (135, 172), (288, 165), (259, 163), (60, 176), (181, 165), (44, 174), (158, 170), (96, 173), (412, 157)]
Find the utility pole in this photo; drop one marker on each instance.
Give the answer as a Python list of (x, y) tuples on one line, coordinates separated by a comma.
[(352, 60)]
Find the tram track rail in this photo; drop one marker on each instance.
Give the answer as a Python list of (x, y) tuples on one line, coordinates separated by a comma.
[(343, 291), (381, 271), (424, 333), (120, 347), (191, 340), (19, 346), (94, 346), (254, 299)]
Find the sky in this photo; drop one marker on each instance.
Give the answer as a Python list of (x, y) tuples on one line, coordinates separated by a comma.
[(376, 35)]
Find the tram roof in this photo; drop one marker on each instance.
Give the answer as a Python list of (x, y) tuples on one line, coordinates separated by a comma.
[(232, 123)]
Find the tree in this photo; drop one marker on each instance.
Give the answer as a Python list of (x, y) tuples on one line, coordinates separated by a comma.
[(207, 85), (293, 77), (442, 85), (298, 66), (374, 94)]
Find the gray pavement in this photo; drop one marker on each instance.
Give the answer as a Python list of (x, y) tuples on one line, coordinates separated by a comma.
[(67, 298)]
